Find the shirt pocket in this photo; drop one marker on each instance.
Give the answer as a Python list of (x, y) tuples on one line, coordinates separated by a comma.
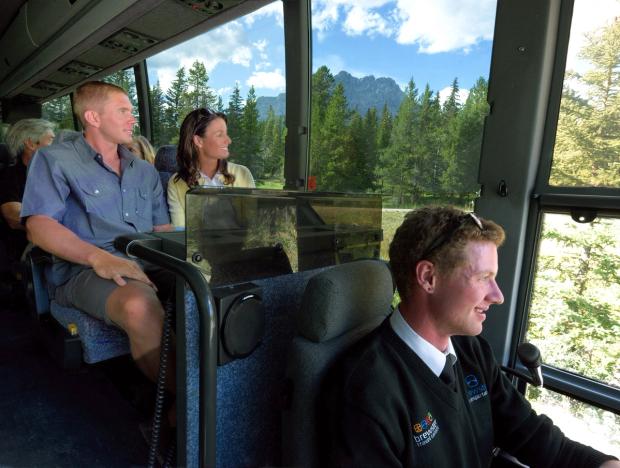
[(144, 203), (97, 199)]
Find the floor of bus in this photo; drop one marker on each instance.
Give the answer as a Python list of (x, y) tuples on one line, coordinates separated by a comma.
[(50, 417)]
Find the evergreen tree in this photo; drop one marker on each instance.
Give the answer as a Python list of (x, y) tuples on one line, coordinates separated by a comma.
[(337, 172), (176, 104), (233, 115), (322, 87), (461, 175), (219, 106), (161, 135), (250, 138), (385, 129), (430, 165), (588, 134), (199, 94), (449, 140), (400, 167)]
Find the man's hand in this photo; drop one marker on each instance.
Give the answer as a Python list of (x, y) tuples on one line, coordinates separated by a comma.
[(110, 266)]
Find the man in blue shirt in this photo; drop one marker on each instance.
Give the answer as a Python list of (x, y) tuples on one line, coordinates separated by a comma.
[(80, 195)]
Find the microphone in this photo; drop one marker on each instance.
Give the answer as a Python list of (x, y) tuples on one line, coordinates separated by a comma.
[(529, 355)]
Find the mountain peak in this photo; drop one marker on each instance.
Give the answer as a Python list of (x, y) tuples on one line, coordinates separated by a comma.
[(361, 93)]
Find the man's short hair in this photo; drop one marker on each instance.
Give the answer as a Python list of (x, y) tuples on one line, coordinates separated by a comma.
[(27, 129), (92, 94), (437, 234)]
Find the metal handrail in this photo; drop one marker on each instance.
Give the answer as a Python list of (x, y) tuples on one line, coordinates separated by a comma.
[(146, 247)]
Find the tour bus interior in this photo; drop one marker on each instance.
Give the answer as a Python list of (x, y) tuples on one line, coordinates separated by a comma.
[(59, 411)]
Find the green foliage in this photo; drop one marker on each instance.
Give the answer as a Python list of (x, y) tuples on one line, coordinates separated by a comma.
[(588, 135), (575, 311), (59, 112)]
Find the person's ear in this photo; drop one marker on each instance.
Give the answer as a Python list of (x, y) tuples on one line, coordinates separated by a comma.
[(425, 275), (197, 141), (91, 117), (30, 145)]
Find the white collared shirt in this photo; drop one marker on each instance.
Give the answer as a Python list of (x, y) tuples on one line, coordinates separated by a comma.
[(431, 356), (206, 181)]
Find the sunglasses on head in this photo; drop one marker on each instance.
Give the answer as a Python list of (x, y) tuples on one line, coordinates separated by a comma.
[(446, 236)]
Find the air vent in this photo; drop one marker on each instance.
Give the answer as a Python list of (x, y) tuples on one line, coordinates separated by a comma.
[(49, 86), (208, 7), (129, 41), (80, 69)]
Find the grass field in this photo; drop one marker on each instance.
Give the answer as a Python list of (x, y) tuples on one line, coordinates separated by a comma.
[(390, 220)]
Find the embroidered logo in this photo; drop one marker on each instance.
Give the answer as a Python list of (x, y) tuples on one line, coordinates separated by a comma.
[(475, 389), (425, 430)]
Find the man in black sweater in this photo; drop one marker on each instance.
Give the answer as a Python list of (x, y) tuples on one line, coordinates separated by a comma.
[(423, 390)]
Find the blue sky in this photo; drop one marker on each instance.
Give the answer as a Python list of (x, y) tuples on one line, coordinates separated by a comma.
[(431, 41)]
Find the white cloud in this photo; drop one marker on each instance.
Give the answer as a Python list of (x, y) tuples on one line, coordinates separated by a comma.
[(435, 26), (360, 21), (273, 9), (267, 80), (226, 44), (445, 25), (445, 93)]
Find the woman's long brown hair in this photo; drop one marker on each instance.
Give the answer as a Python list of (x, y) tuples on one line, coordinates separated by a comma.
[(196, 123)]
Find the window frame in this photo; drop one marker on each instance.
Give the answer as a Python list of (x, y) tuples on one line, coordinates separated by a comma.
[(566, 200)]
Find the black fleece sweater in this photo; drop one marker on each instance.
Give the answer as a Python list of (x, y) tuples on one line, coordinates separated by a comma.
[(385, 408)]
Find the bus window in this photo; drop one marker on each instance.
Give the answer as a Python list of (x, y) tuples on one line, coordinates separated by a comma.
[(58, 111), (398, 102), (238, 69), (575, 309), (572, 416), (574, 314), (588, 133)]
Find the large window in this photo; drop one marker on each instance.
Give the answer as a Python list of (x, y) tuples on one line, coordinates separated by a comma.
[(399, 98), (238, 69), (587, 146), (398, 101), (575, 310)]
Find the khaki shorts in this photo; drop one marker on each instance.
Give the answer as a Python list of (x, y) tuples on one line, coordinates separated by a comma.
[(89, 292)]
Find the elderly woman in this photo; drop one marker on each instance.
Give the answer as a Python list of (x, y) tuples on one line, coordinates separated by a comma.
[(202, 159)]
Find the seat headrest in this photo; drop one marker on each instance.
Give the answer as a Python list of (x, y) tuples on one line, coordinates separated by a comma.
[(166, 158), (344, 297)]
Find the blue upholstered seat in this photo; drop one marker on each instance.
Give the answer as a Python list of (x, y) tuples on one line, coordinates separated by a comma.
[(166, 163), (250, 390), (100, 341)]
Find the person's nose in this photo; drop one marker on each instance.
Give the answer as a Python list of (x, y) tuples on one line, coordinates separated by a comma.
[(495, 295)]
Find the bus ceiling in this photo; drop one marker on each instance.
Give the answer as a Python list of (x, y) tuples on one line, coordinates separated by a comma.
[(48, 47)]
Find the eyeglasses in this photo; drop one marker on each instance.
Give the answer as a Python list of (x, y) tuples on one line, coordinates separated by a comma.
[(444, 238)]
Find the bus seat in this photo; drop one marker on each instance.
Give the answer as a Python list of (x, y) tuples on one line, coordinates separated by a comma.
[(339, 306), (166, 163), (249, 390), (99, 341)]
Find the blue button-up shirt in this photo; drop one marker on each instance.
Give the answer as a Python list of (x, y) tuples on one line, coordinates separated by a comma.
[(70, 183)]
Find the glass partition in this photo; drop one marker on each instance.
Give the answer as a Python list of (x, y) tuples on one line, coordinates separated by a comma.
[(237, 235)]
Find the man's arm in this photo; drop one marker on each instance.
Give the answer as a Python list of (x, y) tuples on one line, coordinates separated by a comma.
[(55, 238), (163, 227), (10, 211)]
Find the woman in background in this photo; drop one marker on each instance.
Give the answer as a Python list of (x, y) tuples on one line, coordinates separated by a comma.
[(202, 159), (142, 148)]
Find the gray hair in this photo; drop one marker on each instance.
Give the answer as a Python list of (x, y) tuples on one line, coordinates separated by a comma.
[(33, 129)]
